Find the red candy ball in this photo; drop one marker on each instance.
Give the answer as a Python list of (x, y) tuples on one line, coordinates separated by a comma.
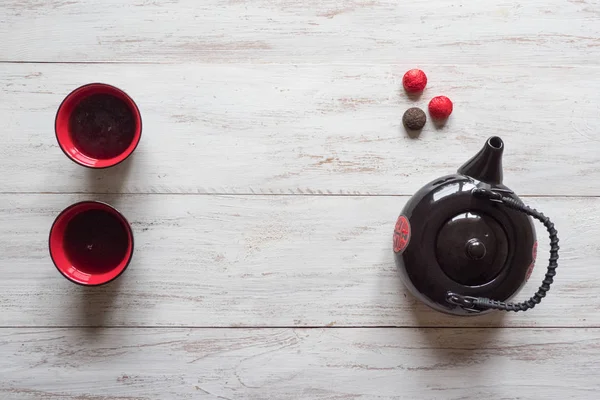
[(414, 80), (440, 107)]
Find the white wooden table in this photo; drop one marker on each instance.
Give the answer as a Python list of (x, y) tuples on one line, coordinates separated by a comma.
[(263, 196)]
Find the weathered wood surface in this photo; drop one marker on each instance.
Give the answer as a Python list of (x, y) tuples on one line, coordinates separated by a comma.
[(229, 261), (263, 119), (322, 129), (546, 32), (399, 364)]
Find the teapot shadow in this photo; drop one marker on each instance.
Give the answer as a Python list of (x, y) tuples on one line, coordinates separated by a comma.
[(430, 318), (427, 317), (457, 341), (460, 348)]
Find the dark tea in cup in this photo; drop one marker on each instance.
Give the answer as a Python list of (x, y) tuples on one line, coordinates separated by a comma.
[(98, 125), (91, 243)]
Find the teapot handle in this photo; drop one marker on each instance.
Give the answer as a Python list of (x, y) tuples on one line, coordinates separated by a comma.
[(478, 304)]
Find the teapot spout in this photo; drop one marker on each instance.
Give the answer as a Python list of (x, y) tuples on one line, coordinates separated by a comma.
[(486, 166)]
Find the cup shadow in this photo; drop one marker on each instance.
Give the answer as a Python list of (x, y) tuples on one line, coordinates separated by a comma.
[(109, 180), (92, 306), (95, 304)]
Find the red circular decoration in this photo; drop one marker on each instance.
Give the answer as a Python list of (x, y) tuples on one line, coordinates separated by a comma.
[(414, 80), (440, 107), (533, 257), (401, 234)]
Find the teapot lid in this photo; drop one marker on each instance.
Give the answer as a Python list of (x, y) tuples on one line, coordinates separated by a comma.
[(471, 248)]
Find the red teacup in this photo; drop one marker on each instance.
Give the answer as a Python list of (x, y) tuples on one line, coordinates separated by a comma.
[(98, 125), (91, 243)]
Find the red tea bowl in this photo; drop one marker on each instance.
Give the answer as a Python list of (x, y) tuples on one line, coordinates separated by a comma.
[(91, 243), (98, 125)]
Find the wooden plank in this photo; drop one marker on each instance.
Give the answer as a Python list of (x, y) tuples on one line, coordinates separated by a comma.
[(547, 32), (307, 129), (142, 364), (230, 261)]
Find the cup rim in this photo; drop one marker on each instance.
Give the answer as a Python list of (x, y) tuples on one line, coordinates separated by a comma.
[(119, 215), (107, 163)]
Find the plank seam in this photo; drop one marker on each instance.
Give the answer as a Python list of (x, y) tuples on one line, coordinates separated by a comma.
[(566, 196), (294, 327)]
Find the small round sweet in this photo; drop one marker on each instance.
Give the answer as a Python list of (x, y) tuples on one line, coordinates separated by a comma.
[(440, 107), (414, 80), (414, 119)]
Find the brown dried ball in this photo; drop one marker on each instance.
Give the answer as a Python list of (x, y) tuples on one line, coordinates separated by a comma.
[(414, 119)]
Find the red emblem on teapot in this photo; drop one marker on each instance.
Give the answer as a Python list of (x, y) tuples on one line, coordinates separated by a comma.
[(401, 234), (533, 257)]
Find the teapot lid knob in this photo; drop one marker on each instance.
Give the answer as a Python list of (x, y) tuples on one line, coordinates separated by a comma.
[(475, 249)]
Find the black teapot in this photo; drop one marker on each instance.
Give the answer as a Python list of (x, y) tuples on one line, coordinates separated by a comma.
[(465, 243)]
